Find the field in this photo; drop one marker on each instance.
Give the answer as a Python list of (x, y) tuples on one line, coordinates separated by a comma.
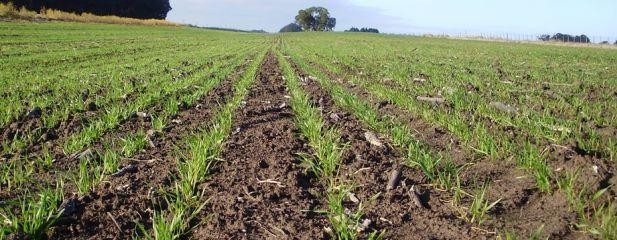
[(117, 131)]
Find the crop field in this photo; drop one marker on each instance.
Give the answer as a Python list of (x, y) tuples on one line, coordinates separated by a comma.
[(120, 132)]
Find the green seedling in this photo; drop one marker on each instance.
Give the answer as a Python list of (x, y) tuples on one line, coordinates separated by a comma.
[(87, 177), (14, 174), (34, 216), (133, 143), (480, 206)]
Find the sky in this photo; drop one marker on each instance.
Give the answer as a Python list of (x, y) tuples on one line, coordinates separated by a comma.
[(592, 17)]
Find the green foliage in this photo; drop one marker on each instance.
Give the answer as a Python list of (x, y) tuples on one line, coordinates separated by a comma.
[(480, 206), (34, 216), (315, 19), (133, 143), (13, 175), (87, 177)]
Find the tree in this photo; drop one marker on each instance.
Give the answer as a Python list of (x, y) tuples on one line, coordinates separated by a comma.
[(544, 37), (315, 19), (366, 30), (292, 27), (570, 38), (560, 37), (331, 24), (143, 9), (305, 19)]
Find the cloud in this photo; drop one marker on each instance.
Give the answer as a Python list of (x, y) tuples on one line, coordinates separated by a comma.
[(271, 15)]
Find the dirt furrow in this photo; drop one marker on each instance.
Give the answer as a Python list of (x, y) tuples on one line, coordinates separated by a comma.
[(111, 212), (260, 190), (368, 167)]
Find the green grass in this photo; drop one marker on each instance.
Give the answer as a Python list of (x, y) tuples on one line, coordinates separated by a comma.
[(33, 216), (480, 206)]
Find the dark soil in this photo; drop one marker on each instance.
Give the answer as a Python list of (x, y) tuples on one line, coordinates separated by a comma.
[(62, 132), (243, 205), (368, 167), (128, 198), (523, 208), (51, 138)]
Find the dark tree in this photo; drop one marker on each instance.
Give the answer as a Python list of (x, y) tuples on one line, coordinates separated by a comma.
[(570, 38), (365, 30), (315, 19), (331, 24), (292, 27), (142, 9), (560, 37), (544, 37)]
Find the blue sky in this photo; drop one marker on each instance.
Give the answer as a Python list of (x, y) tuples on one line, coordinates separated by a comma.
[(592, 17)]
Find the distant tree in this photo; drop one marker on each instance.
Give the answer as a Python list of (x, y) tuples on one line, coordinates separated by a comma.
[(315, 19), (367, 30), (143, 9), (561, 37), (570, 38), (615, 42), (292, 27), (544, 37), (604, 43)]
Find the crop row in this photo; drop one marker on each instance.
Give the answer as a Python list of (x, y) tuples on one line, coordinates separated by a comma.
[(89, 173), (442, 172)]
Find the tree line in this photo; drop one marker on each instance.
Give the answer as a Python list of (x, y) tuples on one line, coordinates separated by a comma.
[(366, 30), (141, 9), (560, 37)]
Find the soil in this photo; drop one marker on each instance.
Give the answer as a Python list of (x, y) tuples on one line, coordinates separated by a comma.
[(523, 208), (112, 210), (368, 167), (53, 139), (260, 190)]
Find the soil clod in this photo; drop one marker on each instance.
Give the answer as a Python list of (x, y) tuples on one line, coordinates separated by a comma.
[(395, 176), (372, 138), (433, 100), (503, 107)]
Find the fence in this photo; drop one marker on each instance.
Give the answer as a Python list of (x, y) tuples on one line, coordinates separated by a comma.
[(518, 37)]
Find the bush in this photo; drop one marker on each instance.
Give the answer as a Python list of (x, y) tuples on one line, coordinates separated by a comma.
[(292, 27)]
